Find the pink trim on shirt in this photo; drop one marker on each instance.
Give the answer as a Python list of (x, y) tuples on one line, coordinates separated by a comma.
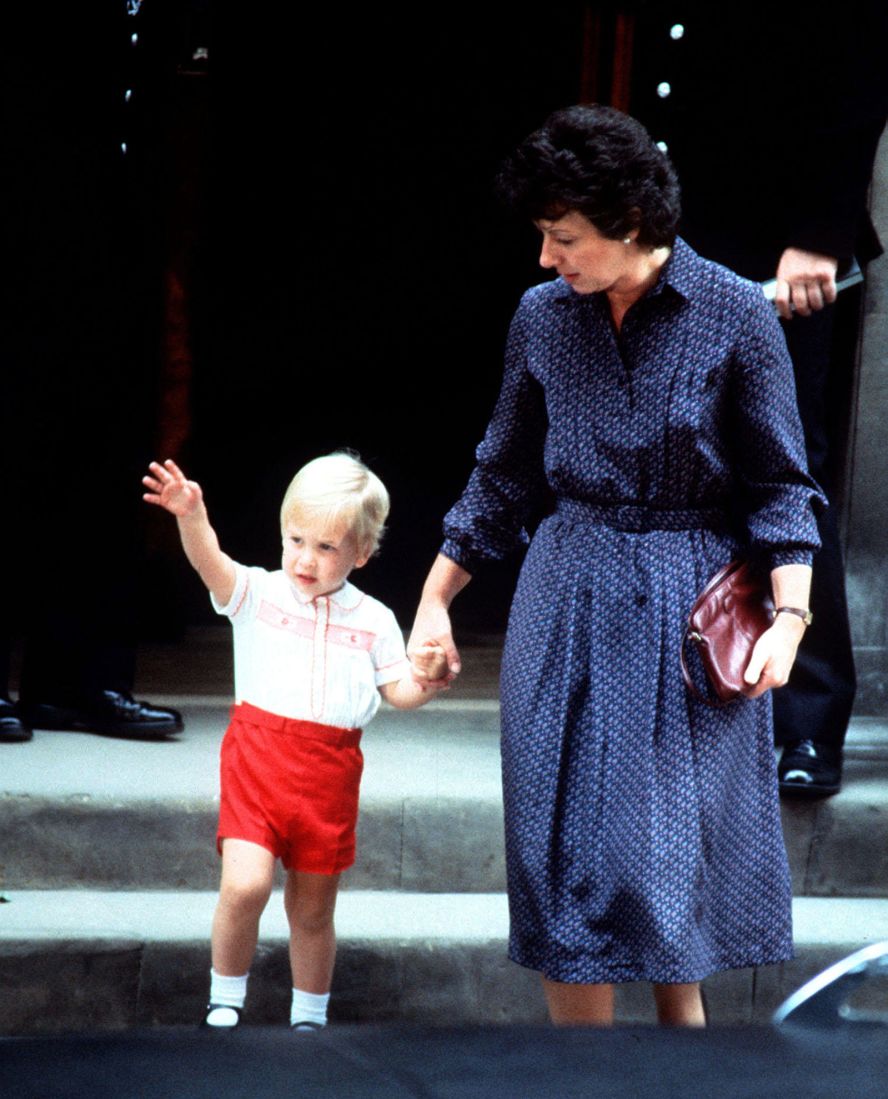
[(304, 627), (242, 598)]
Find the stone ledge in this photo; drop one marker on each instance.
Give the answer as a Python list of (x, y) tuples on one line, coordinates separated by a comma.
[(142, 958)]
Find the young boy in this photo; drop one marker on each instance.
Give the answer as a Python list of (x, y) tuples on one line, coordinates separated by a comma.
[(312, 655)]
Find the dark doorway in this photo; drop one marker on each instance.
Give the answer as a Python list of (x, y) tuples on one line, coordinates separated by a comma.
[(357, 275)]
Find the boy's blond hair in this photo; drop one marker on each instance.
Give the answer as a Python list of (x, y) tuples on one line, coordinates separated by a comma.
[(339, 486)]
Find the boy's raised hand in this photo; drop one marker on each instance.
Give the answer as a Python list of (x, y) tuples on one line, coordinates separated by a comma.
[(169, 488)]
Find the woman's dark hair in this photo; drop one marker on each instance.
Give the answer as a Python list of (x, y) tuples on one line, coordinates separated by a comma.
[(600, 162)]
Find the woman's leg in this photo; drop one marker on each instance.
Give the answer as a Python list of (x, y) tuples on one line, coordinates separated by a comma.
[(247, 874), (680, 1005), (310, 901), (579, 1005)]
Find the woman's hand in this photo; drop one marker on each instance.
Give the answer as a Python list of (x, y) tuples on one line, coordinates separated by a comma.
[(774, 655), (169, 488), (445, 580), (432, 628)]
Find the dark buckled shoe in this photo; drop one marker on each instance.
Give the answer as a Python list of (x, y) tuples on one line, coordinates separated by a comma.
[(12, 729), (809, 769), (111, 713)]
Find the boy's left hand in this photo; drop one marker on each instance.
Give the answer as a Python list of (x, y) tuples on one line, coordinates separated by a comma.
[(429, 663)]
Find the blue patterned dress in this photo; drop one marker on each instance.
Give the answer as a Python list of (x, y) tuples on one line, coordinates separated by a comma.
[(643, 835)]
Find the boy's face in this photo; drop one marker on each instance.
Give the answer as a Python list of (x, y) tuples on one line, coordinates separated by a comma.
[(318, 555)]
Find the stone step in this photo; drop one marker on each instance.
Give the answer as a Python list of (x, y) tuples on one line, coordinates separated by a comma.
[(82, 811), (86, 959)]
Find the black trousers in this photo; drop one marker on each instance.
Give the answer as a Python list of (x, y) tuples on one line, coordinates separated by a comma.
[(816, 703)]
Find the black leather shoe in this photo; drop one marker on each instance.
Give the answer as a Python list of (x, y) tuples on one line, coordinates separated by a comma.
[(112, 713), (809, 769), (12, 729)]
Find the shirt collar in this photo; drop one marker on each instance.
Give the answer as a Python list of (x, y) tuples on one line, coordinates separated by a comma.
[(346, 598)]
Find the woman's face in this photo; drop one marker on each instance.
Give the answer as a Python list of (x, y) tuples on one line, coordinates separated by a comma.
[(586, 260)]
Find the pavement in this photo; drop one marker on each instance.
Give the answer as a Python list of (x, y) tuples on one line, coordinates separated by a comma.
[(108, 870)]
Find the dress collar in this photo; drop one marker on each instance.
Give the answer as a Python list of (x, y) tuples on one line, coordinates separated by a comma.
[(678, 274)]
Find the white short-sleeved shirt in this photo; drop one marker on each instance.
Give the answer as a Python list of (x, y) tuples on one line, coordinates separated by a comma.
[(318, 660)]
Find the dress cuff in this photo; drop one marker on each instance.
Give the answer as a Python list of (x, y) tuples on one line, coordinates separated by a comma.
[(791, 557), (459, 555)]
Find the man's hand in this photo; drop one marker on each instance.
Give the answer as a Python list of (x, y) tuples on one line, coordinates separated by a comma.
[(806, 281)]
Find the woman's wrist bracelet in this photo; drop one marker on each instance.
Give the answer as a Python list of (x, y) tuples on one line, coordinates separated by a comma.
[(806, 616)]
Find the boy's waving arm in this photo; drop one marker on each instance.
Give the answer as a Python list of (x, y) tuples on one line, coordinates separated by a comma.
[(169, 488), (428, 672)]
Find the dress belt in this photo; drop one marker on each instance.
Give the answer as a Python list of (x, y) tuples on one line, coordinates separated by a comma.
[(638, 518)]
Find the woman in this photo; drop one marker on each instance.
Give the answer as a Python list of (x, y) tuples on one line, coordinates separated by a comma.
[(650, 392)]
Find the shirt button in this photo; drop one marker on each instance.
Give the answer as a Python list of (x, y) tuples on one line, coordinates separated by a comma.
[(640, 599), (676, 31), (664, 89)]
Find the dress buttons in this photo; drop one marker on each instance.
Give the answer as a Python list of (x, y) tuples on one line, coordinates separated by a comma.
[(640, 599), (676, 31), (664, 89)]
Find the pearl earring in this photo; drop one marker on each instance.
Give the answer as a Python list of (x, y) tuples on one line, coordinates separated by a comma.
[(627, 240)]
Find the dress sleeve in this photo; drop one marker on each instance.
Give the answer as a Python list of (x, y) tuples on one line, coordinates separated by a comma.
[(488, 521), (781, 500)]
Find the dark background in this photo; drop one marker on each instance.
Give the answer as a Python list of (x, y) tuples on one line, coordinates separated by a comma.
[(300, 250), (352, 276), (247, 261)]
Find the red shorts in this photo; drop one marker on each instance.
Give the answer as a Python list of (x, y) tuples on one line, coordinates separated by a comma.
[(292, 787)]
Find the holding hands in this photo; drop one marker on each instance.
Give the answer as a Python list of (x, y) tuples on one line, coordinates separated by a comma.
[(429, 663), (170, 489)]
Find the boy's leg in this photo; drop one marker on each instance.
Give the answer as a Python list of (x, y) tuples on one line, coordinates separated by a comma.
[(247, 874), (310, 901)]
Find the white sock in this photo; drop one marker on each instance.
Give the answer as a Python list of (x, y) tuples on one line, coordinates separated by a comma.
[(226, 993), (309, 1007)]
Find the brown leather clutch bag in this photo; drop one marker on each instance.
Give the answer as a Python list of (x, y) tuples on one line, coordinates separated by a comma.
[(730, 615)]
